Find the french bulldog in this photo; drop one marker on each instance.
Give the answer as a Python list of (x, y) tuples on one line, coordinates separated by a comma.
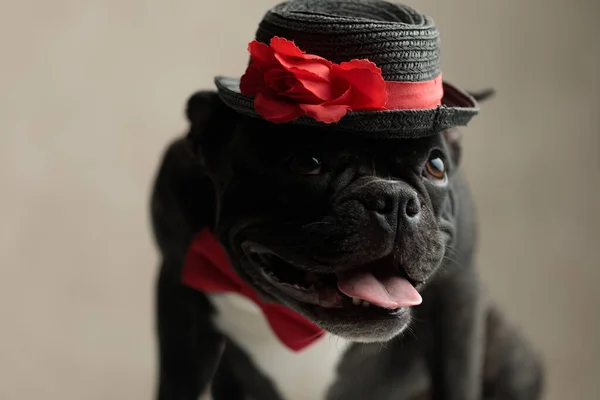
[(373, 240)]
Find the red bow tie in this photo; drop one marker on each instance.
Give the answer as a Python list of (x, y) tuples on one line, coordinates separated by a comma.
[(207, 268)]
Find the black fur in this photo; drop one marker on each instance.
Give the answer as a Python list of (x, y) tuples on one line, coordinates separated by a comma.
[(233, 174)]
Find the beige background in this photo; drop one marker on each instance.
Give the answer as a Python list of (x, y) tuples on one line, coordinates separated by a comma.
[(91, 91)]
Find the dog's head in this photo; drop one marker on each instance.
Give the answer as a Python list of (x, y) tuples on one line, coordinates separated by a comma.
[(343, 229)]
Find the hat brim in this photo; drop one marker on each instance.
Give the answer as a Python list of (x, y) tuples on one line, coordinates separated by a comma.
[(457, 109)]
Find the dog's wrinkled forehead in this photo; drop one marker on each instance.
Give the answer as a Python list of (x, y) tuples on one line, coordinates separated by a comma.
[(266, 145)]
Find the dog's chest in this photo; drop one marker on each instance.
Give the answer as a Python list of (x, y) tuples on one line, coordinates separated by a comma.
[(306, 375)]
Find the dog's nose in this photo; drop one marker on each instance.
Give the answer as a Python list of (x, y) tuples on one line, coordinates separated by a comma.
[(394, 197)]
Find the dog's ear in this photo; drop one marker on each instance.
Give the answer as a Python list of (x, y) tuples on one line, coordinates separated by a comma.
[(453, 140), (483, 95), (453, 136), (212, 125)]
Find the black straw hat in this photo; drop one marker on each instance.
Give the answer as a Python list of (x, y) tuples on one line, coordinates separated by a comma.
[(401, 42)]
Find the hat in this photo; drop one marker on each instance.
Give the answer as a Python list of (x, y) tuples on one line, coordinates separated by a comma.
[(363, 66)]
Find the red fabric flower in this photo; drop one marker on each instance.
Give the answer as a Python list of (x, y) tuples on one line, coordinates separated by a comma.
[(287, 83)]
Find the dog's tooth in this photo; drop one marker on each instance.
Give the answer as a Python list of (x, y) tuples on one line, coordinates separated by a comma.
[(356, 301), (366, 304)]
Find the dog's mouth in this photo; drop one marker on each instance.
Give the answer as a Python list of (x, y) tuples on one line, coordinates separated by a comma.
[(381, 285)]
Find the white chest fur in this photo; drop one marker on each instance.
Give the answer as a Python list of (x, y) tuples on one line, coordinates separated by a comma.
[(305, 375)]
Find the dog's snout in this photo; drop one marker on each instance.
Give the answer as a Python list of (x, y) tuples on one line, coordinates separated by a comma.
[(412, 207), (381, 203), (391, 197)]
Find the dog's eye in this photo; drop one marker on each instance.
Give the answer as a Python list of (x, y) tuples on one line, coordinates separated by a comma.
[(305, 164), (435, 169)]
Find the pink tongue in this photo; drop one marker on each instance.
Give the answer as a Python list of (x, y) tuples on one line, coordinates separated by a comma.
[(388, 292)]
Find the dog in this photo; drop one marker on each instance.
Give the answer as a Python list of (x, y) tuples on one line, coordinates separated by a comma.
[(266, 187), (316, 233)]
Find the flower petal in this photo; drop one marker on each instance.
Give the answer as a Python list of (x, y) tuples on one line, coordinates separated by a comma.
[(314, 84), (305, 88), (368, 88), (317, 67), (344, 98), (279, 80), (261, 54), (288, 48), (360, 64), (252, 81), (275, 109), (325, 113)]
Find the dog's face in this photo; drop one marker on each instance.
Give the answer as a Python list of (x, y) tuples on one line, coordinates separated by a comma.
[(342, 229)]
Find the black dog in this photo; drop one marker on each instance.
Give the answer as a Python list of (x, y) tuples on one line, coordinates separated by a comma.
[(301, 211)]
